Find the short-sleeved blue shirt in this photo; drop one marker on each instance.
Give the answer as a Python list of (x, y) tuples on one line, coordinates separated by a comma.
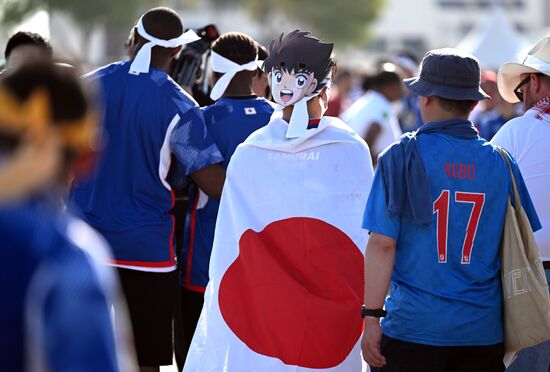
[(445, 285), (230, 121), (52, 298), (147, 119)]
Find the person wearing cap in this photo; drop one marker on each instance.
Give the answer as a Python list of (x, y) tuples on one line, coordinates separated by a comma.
[(435, 216), (56, 316), (236, 113), (147, 122), (527, 138)]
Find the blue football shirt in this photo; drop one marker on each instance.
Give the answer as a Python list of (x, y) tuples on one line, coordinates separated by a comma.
[(147, 120), (445, 285), (229, 121), (54, 309)]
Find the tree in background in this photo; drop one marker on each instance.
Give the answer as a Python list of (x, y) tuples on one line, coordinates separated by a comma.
[(341, 21), (116, 15)]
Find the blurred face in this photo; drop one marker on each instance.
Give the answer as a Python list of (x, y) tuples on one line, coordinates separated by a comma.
[(21, 175), (289, 87), (491, 89), (395, 92), (24, 54)]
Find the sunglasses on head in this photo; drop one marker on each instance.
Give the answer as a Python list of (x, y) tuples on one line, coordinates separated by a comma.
[(517, 90)]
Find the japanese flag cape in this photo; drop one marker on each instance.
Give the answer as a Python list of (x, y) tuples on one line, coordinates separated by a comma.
[(286, 271)]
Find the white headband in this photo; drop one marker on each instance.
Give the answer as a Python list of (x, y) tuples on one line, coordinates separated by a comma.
[(143, 58), (229, 69)]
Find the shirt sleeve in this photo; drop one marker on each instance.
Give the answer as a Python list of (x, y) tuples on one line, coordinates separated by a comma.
[(524, 196), (376, 217), (192, 146)]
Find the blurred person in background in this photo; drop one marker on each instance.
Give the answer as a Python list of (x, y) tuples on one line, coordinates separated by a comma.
[(527, 138), (147, 121), (342, 85), (57, 317), (408, 114), (490, 115), (260, 84), (236, 113), (372, 116), (24, 47)]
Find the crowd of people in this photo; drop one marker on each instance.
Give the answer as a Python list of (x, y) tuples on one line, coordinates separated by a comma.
[(294, 216)]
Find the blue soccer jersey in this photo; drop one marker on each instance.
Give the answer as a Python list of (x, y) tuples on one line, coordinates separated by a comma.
[(147, 119), (54, 314), (230, 121), (445, 286)]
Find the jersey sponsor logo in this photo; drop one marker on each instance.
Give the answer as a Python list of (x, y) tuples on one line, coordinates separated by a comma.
[(460, 171), (312, 155), (249, 111)]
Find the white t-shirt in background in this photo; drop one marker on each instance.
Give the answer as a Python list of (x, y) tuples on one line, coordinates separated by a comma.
[(371, 108), (527, 138)]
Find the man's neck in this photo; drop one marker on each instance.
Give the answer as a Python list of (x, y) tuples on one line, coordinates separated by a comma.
[(161, 64), (237, 93)]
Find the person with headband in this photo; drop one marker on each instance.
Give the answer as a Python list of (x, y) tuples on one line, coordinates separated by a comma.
[(148, 121), (286, 275), (57, 317), (235, 115)]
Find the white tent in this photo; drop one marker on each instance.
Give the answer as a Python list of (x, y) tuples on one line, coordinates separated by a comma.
[(494, 41)]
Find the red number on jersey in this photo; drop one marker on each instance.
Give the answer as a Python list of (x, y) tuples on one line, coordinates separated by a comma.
[(441, 207)]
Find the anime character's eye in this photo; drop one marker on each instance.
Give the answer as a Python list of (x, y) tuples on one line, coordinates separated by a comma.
[(277, 77), (301, 80)]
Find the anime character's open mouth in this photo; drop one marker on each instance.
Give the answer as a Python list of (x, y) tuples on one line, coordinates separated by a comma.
[(286, 95)]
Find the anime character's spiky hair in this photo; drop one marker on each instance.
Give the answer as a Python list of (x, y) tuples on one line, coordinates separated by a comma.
[(300, 52)]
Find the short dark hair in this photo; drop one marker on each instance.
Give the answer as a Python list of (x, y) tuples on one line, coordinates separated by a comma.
[(300, 52), (163, 23), (462, 107), (237, 47), (27, 38), (381, 79)]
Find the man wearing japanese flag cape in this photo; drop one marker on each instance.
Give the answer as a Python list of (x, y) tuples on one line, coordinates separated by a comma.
[(286, 272)]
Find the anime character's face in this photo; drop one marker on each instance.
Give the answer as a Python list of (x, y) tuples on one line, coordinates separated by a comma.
[(290, 87)]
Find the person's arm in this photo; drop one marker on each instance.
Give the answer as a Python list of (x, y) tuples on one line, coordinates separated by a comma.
[(379, 259), (210, 180), (370, 138), (197, 154)]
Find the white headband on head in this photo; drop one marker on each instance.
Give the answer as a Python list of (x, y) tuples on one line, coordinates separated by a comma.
[(142, 61), (229, 69)]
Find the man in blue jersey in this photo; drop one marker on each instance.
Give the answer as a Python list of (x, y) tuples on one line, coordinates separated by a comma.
[(235, 115), (55, 313), (435, 214), (148, 120)]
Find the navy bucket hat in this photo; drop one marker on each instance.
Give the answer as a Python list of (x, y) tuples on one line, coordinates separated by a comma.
[(448, 73)]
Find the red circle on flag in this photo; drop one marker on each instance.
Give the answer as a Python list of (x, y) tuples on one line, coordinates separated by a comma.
[(295, 292)]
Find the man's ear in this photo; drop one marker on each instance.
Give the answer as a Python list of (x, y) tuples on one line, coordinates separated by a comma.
[(175, 51), (312, 87)]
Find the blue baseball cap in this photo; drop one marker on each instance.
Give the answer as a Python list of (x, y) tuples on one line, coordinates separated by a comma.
[(448, 73)]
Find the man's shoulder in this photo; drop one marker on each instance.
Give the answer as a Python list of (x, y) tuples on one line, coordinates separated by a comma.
[(182, 100), (105, 71), (34, 234)]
